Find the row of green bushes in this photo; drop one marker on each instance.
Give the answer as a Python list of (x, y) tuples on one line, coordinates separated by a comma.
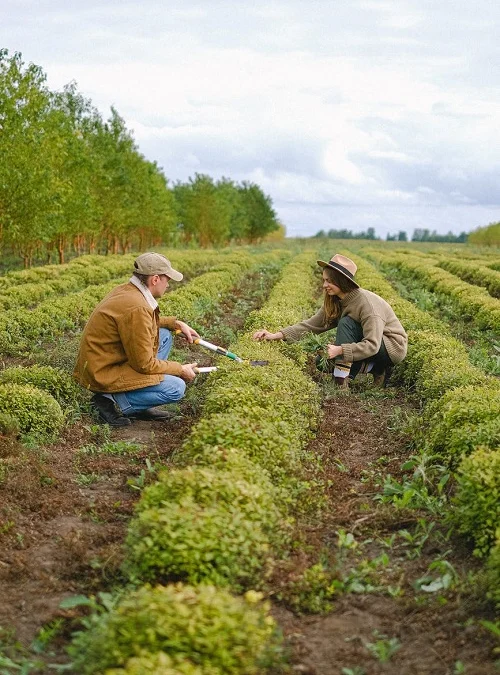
[(473, 273), (22, 330), (461, 415), (221, 517), (76, 278), (28, 288), (472, 302), (77, 266)]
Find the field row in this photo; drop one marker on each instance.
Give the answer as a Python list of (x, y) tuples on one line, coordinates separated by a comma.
[(460, 422), (23, 331), (472, 301), (219, 518)]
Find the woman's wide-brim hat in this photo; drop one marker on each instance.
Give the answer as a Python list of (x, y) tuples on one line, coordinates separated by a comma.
[(343, 265)]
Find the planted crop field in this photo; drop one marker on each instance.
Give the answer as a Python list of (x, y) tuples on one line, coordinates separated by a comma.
[(276, 523)]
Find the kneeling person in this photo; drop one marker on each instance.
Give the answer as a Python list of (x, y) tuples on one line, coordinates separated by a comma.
[(125, 344), (369, 338)]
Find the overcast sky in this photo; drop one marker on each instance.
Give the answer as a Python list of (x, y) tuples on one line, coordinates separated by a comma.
[(348, 113)]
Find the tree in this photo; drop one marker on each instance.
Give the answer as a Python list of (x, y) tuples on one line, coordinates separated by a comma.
[(204, 211), (26, 181), (261, 217), (238, 217), (486, 236)]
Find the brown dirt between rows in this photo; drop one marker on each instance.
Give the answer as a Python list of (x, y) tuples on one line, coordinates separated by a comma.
[(66, 540), (433, 637)]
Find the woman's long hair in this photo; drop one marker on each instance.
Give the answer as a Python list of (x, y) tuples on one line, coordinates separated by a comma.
[(331, 303)]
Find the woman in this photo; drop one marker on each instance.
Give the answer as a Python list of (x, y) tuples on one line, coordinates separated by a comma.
[(370, 337)]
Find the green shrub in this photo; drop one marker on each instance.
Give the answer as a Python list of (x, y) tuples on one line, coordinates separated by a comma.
[(463, 419), (291, 491), (210, 487), (55, 381), (198, 524), (217, 632), (160, 663), (281, 390), (477, 500), (437, 363), (36, 411), (311, 591), (275, 447), (222, 458)]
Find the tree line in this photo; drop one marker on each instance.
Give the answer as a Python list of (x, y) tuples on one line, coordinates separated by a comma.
[(418, 235), (71, 181)]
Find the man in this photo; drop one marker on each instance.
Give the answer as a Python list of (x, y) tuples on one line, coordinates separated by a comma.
[(125, 344)]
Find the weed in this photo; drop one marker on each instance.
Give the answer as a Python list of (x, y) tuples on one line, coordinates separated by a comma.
[(46, 635), (417, 539), (14, 658), (402, 421), (312, 591), (364, 578), (493, 627), (86, 479), (101, 433), (440, 576), (139, 482), (340, 465), (357, 670), (425, 489), (384, 647), (6, 527)]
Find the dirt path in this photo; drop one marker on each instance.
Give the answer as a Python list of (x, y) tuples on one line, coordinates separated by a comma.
[(63, 517), (429, 633)]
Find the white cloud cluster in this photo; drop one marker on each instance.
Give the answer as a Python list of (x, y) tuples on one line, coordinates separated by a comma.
[(363, 112)]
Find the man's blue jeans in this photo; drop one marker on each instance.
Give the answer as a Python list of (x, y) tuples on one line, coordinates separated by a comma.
[(171, 388)]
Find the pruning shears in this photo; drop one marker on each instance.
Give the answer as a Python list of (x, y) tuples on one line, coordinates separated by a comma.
[(223, 352)]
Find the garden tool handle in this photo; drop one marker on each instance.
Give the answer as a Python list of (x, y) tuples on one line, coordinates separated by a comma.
[(205, 369), (213, 348)]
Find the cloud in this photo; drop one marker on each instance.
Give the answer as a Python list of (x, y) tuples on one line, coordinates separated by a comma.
[(366, 109)]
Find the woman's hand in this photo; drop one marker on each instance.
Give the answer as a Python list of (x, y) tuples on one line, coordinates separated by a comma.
[(266, 335), (334, 350)]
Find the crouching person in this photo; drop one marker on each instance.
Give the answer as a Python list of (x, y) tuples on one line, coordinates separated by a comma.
[(369, 338), (125, 345)]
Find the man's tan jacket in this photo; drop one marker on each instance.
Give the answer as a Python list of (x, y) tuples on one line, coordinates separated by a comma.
[(120, 343)]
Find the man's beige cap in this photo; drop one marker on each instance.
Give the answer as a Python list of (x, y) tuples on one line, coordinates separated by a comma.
[(155, 263)]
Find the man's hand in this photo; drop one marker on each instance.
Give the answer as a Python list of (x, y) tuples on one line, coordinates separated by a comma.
[(189, 332), (188, 374), (334, 351), (266, 335)]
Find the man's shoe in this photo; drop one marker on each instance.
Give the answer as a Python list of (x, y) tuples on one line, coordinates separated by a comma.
[(342, 382), (154, 415), (108, 411)]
